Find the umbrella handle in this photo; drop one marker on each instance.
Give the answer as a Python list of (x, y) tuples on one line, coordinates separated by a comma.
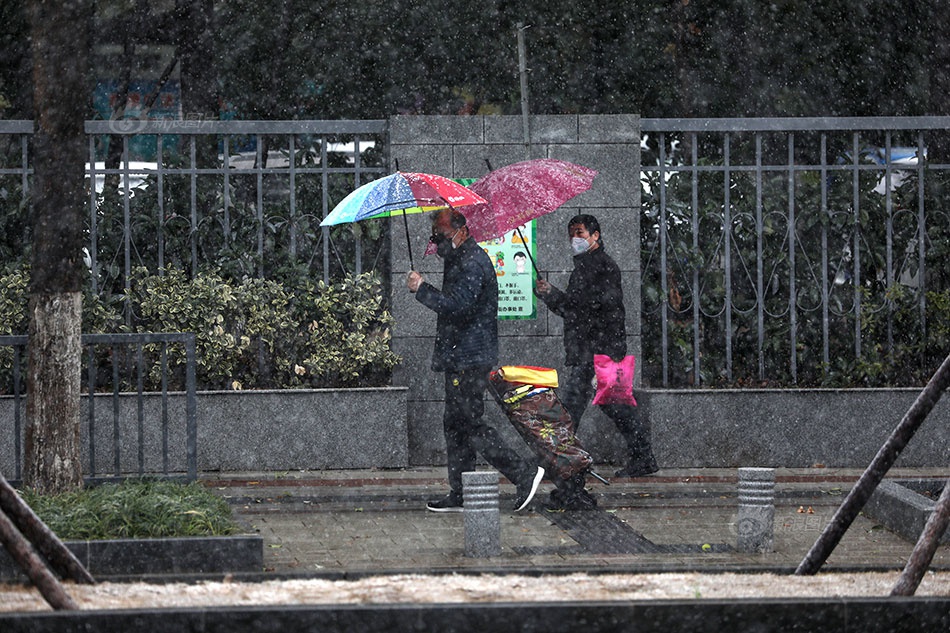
[(405, 221), (537, 273)]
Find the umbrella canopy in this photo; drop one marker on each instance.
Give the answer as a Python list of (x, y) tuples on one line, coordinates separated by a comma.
[(521, 192), (399, 194)]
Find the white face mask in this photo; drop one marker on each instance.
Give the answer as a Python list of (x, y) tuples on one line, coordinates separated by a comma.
[(579, 245)]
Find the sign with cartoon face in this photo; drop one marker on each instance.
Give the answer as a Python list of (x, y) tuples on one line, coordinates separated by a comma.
[(516, 277)]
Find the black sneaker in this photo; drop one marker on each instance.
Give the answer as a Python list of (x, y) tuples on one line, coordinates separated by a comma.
[(576, 501), (583, 501), (452, 502), (527, 489)]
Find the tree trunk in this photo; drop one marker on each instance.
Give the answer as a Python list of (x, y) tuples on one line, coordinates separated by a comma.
[(52, 461), (60, 48)]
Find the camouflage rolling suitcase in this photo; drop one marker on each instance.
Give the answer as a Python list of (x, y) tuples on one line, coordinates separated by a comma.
[(527, 396)]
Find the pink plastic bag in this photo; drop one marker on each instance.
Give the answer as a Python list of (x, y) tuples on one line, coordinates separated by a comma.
[(614, 380)]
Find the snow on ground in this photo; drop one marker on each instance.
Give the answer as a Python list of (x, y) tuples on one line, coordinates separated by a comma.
[(472, 589)]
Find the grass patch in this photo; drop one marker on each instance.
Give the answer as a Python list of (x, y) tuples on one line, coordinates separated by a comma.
[(134, 509)]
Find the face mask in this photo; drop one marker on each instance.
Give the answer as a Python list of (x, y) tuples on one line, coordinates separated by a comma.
[(444, 245), (579, 245)]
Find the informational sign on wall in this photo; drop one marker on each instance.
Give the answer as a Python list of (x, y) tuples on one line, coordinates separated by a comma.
[(516, 277)]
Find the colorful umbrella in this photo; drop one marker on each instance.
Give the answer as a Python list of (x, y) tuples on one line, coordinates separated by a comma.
[(521, 192), (401, 193)]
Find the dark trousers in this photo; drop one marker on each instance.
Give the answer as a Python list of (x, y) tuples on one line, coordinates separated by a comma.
[(467, 434), (576, 392)]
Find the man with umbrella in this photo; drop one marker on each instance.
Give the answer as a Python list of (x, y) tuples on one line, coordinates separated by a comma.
[(593, 313), (466, 350)]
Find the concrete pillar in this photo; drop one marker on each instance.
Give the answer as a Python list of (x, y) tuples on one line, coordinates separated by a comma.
[(756, 519), (480, 512)]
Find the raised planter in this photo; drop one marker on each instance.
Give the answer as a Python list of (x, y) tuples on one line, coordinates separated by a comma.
[(302, 429), (160, 556), (733, 428), (898, 505), (792, 428), (244, 430), (382, 428)]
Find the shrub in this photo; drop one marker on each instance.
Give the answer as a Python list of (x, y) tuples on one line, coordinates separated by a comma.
[(345, 338), (206, 305), (254, 334), (259, 334), (98, 315)]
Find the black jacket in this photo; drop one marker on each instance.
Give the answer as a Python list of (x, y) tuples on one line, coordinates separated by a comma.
[(467, 308), (592, 308)]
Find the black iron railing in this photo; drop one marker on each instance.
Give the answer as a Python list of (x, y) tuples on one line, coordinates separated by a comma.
[(127, 431)]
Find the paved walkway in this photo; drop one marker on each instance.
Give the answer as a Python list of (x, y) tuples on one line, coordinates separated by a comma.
[(357, 522)]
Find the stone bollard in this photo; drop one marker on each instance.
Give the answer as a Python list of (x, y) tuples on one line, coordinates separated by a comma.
[(480, 511), (756, 520)]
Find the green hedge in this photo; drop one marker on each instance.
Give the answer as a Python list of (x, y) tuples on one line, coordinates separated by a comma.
[(254, 334)]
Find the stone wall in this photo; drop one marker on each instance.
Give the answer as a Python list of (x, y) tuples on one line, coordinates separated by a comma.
[(459, 147), (367, 428), (241, 431), (794, 428)]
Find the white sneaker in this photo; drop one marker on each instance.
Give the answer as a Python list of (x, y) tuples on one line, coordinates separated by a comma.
[(526, 495)]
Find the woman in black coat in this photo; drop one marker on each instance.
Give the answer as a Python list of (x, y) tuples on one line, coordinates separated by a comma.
[(593, 313)]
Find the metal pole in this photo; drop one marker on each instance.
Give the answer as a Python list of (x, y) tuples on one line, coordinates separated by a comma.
[(534, 265), (523, 72), (926, 546), (875, 472)]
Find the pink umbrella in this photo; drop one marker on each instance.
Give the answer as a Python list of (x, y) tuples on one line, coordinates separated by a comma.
[(521, 192)]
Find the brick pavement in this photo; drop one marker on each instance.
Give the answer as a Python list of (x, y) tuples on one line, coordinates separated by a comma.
[(350, 523)]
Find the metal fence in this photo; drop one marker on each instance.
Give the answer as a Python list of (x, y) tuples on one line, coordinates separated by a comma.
[(127, 431), (780, 251), (774, 251), (245, 196)]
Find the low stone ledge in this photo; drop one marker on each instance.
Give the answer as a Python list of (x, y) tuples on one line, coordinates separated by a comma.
[(841, 615), (158, 556), (898, 505)]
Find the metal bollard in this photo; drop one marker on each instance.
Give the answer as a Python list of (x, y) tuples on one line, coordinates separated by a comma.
[(480, 512), (756, 520)]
